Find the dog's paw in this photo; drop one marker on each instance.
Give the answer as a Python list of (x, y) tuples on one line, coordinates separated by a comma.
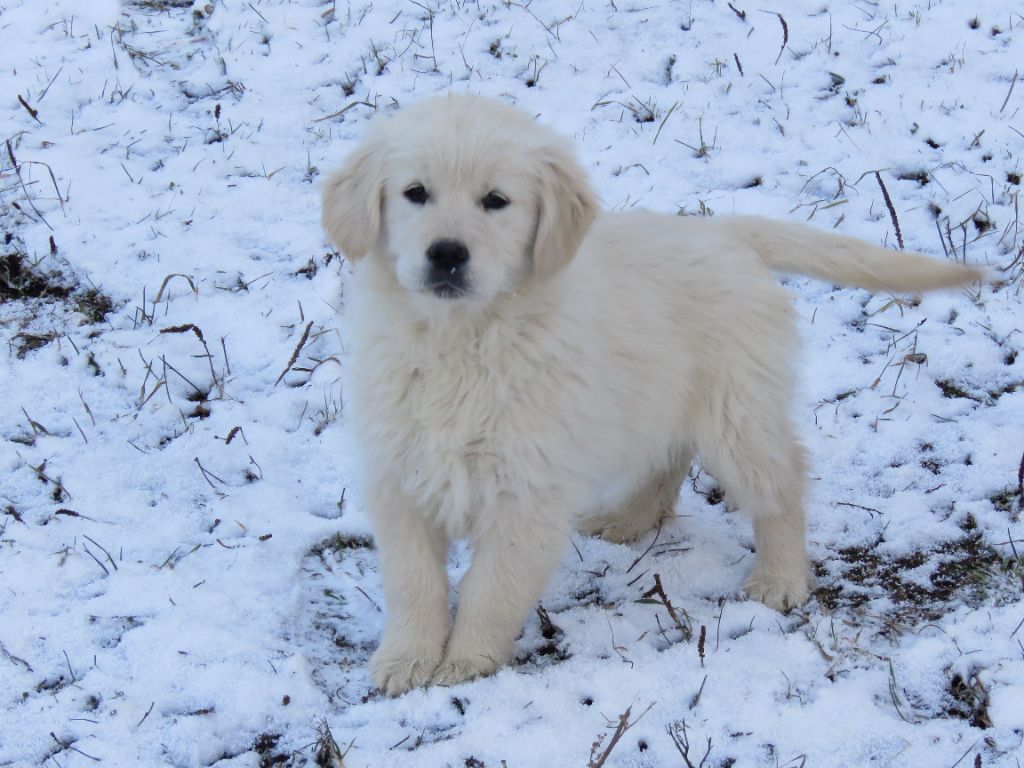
[(618, 529), (458, 670), (396, 671), (779, 592)]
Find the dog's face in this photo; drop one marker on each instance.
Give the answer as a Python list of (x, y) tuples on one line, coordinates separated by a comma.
[(464, 197)]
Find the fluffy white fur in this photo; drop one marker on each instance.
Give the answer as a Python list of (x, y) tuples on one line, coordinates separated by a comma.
[(590, 356)]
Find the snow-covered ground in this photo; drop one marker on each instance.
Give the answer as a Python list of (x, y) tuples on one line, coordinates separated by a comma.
[(186, 572)]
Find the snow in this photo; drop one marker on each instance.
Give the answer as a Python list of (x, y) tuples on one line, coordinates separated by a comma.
[(172, 597)]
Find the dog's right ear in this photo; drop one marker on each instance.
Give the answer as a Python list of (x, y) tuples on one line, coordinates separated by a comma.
[(354, 197)]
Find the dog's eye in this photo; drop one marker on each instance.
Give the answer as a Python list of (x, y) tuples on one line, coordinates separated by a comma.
[(417, 193), (494, 201)]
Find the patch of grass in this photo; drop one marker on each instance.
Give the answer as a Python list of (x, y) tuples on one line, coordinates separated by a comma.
[(921, 177), (551, 651), (980, 394), (201, 411), (953, 391), (1004, 500), (265, 745), (340, 542), (24, 343), (25, 281), (20, 279), (326, 752), (968, 700), (966, 570), (160, 5), (93, 305), (53, 685)]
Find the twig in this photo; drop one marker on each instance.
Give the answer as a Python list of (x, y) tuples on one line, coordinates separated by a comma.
[(257, 12), (295, 354), (101, 565), (163, 285), (33, 112), (1012, 83), (70, 670), (548, 630), (183, 329), (737, 11), (965, 754), (700, 691), (373, 602), (224, 349), (617, 648), (892, 210), (14, 659), (649, 548), (208, 474), (345, 109), (153, 704), (679, 736), (24, 189), (872, 510), (37, 428), (785, 34), (72, 747), (47, 479), (659, 590), (56, 189), (105, 552), (183, 377), (53, 79), (894, 694), (1020, 478), (217, 381), (598, 759), (718, 626), (664, 120)]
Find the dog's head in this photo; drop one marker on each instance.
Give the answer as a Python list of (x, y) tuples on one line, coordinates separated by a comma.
[(466, 197)]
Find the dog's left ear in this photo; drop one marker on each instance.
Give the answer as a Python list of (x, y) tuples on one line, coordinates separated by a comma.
[(568, 207), (354, 197)]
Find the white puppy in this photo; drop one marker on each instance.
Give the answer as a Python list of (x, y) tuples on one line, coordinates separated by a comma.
[(524, 362)]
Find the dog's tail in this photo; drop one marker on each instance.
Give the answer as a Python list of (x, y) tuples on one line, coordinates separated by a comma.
[(804, 250)]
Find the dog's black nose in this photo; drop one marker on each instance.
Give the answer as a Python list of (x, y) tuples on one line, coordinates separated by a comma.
[(447, 255)]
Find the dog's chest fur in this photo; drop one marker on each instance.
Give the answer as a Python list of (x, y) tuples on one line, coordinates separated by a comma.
[(461, 413)]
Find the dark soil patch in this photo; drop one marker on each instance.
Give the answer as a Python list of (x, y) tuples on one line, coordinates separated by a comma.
[(966, 570), (20, 279), (265, 746)]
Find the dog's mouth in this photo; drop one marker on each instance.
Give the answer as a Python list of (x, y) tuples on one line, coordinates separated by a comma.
[(447, 284), (447, 291)]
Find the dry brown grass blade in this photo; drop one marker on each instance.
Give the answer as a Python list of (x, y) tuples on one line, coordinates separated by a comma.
[(892, 210), (326, 753), (163, 286), (295, 354), (599, 757)]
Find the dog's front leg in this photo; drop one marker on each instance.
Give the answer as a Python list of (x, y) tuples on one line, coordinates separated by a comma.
[(412, 554), (514, 554)]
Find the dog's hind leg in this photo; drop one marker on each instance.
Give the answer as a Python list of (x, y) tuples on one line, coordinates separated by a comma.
[(748, 442), (654, 501)]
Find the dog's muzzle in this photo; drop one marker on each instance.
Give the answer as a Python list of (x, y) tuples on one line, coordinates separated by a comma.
[(448, 267)]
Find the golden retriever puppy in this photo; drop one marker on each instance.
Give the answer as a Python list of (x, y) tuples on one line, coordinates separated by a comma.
[(524, 362)]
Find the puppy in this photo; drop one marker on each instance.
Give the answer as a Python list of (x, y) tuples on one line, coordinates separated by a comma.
[(524, 362)]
